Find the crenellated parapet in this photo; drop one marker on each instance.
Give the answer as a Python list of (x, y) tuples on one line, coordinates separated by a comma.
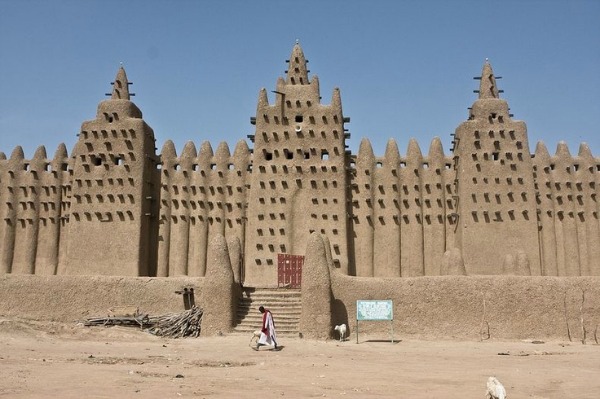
[(400, 210), (568, 210), (31, 209), (202, 195)]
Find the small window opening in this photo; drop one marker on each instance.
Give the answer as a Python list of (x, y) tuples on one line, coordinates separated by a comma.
[(299, 118)]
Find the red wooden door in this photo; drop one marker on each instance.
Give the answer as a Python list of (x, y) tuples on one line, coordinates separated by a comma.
[(289, 270)]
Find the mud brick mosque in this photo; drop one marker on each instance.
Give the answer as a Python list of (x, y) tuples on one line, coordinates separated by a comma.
[(115, 206)]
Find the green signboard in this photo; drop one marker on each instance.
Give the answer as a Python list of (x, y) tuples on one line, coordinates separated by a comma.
[(374, 310)]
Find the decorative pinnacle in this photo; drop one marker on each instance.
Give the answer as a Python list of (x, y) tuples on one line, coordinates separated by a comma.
[(297, 72), (487, 85), (120, 89)]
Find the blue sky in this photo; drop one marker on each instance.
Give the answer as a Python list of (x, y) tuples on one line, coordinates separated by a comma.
[(404, 68)]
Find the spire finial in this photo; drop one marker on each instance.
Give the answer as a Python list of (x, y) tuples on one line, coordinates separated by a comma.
[(120, 89), (297, 72), (487, 86)]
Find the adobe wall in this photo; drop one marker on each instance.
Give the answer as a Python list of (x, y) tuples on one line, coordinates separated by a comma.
[(203, 194), (400, 210), (451, 307), (446, 307), (75, 298)]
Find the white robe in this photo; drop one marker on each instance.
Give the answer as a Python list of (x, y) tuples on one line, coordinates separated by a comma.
[(271, 337)]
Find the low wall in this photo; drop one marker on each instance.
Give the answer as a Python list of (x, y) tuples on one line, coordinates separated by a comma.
[(453, 306), (73, 298), (428, 307)]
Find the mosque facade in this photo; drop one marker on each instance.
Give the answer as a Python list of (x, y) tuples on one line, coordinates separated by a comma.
[(115, 206)]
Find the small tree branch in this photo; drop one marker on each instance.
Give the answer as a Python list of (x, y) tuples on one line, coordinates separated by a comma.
[(484, 321), (567, 318), (581, 320)]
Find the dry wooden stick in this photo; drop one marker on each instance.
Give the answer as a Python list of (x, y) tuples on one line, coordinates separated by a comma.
[(567, 319), (583, 331), (483, 320)]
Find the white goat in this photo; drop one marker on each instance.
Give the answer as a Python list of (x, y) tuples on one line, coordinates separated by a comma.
[(341, 329), (495, 390), (255, 336)]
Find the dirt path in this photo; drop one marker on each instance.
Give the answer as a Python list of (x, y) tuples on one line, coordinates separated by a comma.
[(68, 361)]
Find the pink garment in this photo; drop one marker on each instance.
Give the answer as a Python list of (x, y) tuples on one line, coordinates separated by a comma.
[(268, 335)]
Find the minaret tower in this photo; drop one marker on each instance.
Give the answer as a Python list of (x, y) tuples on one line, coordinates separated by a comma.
[(496, 203), (113, 205), (298, 182)]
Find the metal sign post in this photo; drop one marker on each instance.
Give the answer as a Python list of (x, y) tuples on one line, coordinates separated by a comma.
[(375, 310)]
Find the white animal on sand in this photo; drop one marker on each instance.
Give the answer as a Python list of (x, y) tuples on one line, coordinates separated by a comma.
[(255, 336), (495, 389), (341, 329)]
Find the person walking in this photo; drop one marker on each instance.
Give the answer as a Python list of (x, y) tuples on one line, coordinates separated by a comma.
[(268, 335)]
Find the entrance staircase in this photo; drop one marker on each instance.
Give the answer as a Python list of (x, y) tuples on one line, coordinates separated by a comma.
[(284, 303)]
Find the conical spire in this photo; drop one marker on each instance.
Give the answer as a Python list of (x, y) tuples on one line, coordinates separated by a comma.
[(541, 152), (585, 152), (487, 86), (392, 154), (263, 100), (120, 86), (336, 99), (297, 72)]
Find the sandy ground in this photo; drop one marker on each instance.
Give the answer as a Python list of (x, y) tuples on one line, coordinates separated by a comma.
[(43, 360)]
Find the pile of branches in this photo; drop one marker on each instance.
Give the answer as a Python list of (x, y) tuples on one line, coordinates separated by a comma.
[(171, 325), (177, 325)]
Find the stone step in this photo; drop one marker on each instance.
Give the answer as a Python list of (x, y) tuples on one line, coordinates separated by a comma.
[(270, 304), (279, 321), (281, 314), (274, 309), (285, 304), (256, 292)]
